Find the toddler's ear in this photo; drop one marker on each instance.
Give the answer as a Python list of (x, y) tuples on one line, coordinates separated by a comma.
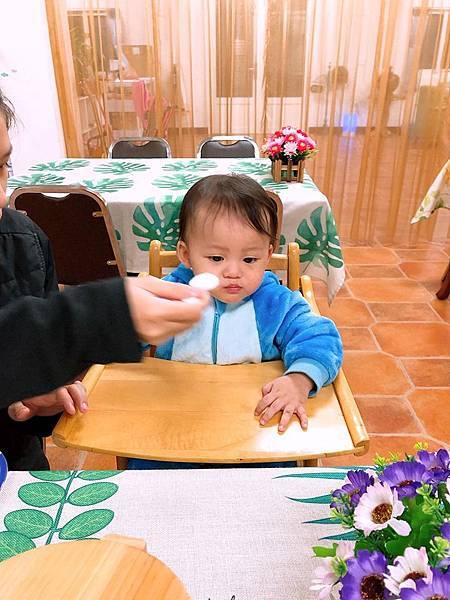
[(183, 254)]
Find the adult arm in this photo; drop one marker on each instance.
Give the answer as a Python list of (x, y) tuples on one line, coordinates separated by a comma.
[(44, 343)]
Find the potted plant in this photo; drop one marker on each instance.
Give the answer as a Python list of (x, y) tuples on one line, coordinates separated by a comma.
[(288, 148)]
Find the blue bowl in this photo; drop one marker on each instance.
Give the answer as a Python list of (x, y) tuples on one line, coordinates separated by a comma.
[(3, 469)]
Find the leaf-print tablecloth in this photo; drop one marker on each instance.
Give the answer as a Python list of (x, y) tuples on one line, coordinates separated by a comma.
[(230, 533), (438, 195), (144, 198)]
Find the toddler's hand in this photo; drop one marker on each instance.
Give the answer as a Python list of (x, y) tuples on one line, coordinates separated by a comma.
[(287, 394), (68, 398)]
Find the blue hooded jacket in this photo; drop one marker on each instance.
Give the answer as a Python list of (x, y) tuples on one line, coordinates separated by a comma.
[(273, 323)]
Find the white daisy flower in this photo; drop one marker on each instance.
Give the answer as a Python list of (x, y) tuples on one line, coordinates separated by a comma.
[(378, 508), (290, 148), (407, 569), (331, 570), (288, 130)]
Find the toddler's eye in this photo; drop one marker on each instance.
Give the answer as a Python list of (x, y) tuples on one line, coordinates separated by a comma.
[(250, 259), (215, 258)]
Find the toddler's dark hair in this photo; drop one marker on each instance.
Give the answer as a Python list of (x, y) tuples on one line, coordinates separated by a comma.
[(6, 110), (234, 194)]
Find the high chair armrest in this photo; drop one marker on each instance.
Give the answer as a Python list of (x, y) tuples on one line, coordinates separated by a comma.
[(308, 292)]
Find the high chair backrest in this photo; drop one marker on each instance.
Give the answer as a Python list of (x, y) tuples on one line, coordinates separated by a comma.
[(167, 259)]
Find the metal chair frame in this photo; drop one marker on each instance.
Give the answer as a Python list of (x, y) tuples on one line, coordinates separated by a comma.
[(144, 140), (228, 138)]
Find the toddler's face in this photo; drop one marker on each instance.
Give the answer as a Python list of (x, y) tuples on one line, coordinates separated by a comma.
[(231, 249)]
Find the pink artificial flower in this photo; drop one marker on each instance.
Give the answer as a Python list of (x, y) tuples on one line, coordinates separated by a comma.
[(310, 142), (274, 148), (278, 133), (302, 146), (290, 148), (292, 137), (301, 132), (288, 130), (279, 139)]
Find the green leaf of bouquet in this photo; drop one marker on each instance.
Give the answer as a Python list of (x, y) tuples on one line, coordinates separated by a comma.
[(327, 521), (348, 535), (29, 522), (96, 475), (92, 493), (426, 533), (12, 543), (325, 499), (397, 547), (86, 524), (41, 494), (335, 475), (51, 475), (323, 551)]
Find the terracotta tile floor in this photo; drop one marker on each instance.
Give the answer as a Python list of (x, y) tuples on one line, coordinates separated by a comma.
[(397, 346)]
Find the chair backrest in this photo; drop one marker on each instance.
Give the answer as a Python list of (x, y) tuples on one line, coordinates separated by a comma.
[(144, 147), (79, 227), (290, 262), (236, 146)]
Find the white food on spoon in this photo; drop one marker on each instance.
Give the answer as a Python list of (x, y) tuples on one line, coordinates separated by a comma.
[(202, 281)]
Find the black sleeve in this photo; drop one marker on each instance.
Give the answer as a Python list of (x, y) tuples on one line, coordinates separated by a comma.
[(51, 280), (44, 343)]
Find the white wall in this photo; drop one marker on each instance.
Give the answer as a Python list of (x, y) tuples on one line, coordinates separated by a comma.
[(25, 47)]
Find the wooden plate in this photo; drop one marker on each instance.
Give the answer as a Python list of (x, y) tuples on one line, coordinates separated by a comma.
[(88, 570)]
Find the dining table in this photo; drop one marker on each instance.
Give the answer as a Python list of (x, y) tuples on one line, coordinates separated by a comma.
[(144, 198), (227, 534)]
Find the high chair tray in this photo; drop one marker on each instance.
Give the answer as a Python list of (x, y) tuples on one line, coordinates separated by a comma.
[(168, 410)]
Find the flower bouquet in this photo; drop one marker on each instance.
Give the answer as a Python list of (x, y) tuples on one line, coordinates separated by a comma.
[(400, 515), (288, 149)]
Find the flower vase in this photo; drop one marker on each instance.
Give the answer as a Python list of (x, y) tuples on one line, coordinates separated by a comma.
[(289, 171)]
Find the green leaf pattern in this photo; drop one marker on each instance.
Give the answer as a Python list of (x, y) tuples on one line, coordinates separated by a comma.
[(108, 184), (121, 167), (158, 220), (190, 165), (35, 179), (251, 167), (86, 524), (319, 243), (177, 181), (64, 165), (24, 525), (269, 184)]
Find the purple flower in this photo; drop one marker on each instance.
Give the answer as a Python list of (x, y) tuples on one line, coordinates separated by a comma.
[(365, 577), (437, 589), (445, 531), (357, 486), (437, 465), (404, 476)]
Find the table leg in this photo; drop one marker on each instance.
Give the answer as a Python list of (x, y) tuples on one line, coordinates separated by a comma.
[(444, 290)]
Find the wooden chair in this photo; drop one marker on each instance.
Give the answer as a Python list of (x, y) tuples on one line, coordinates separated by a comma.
[(174, 411), (144, 147), (235, 146), (78, 224)]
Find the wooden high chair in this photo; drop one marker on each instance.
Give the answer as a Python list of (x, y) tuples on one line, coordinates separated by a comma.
[(167, 410)]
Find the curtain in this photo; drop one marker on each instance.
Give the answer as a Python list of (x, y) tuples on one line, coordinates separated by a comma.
[(368, 79)]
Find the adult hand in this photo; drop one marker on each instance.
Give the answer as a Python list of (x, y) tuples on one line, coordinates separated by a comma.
[(70, 398), (157, 308)]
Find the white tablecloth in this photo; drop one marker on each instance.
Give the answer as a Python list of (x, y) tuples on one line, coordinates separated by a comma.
[(230, 533), (144, 198)]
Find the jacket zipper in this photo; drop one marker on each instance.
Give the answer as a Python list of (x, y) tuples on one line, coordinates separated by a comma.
[(215, 333)]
